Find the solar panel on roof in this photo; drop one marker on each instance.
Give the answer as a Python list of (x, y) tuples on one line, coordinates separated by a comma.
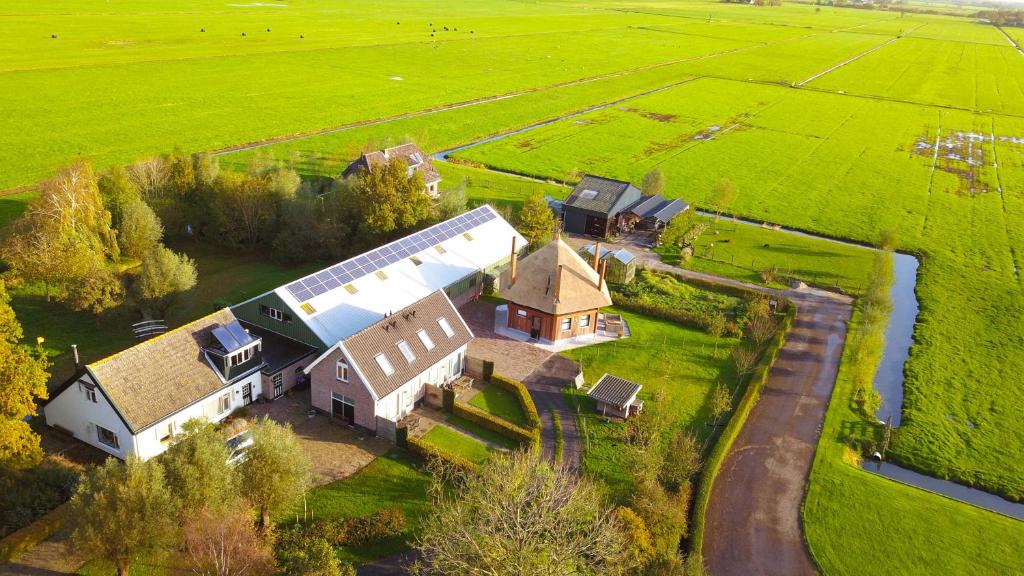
[(344, 278), (349, 265), (332, 283), (319, 289), (302, 295), (392, 258), (295, 286), (310, 281), (236, 330), (227, 341), (362, 260), (324, 276), (337, 269)]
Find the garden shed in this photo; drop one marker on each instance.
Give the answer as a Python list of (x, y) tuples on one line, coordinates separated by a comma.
[(616, 396), (621, 263)]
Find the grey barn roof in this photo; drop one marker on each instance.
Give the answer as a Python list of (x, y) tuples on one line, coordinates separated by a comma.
[(614, 390), (658, 207), (598, 194)]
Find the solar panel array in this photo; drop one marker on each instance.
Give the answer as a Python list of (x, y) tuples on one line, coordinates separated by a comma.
[(368, 263)]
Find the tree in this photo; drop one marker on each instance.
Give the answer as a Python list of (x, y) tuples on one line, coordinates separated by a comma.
[(276, 470), (723, 196), (519, 516), (744, 358), (23, 374), (536, 220), (721, 402), (163, 276), (638, 539), (664, 513), (225, 543), (682, 462), (206, 168), (452, 201), (654, 182), (118, 190), (242, 208), (302, 554), (100, 290), (716, 324), (388, 199), (197, 469), (140, 230), (122, 512)]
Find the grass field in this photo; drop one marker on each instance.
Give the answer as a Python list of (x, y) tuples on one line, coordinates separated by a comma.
[(454, 442), (501, 403)]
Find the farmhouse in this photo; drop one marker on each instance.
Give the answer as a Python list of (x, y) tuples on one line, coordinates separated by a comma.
[(373, 378), (134, 401), (620, 263), (553, 293), (616, 396), (651, 213), (414, 158), (595, 203)]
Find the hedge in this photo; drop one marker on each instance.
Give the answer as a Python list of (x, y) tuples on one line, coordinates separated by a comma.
[(495, 424), (429, 451), (17, 543), (732, 430), (522, 394)]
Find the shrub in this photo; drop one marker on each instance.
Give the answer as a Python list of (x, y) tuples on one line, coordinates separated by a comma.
[(665, 514), (640, 547), (28, 493), (493, 423), (448, 399), (364, 530), (489, 285), (488, 370), (300, 553)]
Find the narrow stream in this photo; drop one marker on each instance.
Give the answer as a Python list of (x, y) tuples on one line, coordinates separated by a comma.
[(899, 337)]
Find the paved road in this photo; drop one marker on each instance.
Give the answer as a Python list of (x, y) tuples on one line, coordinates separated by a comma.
[(545, 385)]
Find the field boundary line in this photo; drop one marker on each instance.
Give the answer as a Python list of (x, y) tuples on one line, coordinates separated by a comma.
[(853, 59), (1012, 41), (1002, 200)]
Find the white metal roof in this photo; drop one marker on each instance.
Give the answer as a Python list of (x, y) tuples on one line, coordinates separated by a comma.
[(337, 313)]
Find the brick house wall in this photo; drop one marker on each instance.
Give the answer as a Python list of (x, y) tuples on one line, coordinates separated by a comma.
[(289, 376), (324, 381)]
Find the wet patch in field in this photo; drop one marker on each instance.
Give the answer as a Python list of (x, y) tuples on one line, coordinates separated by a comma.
[(963, 154), (690, 138)]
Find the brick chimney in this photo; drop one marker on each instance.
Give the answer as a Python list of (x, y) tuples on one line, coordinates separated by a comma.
[(597, 255), (600, 277), (558, 283), (514, 260)]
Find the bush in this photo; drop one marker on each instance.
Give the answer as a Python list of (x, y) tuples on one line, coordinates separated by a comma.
[(665, 514), (28, 493), (640, 547), (522, 394), (430, 452), (493, 423), (490, 283), (302, 553), (364, 530), (448, 399), (488, 370)]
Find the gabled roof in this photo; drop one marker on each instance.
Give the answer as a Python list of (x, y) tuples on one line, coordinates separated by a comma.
[(383, 336), (614, 390), (160, 376), (598, 194), (656, 206), (342, 299), (537, 280), (415, 160)]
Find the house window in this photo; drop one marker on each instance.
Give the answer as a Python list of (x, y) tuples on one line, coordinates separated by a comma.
[(164, 433), (278, 381), (90, 393), (342, 370), (585, 321), (566, 324), (224, 404), (241, 357), (425, 339), (406, 351), (275, 314), (446, 327), (107, 437), (521, 313), (385, 364)]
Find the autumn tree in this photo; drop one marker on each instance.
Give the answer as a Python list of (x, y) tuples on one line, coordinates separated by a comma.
[(139, 230), (197, 469), (682, 462), (118, 190), (23, 374), (101, 289), (302, 554), (225, 542), (519, 516), (388, 199), (276, 470), (452, 201), (163, 275), (122, 513), (654, 182), (536, 220), (721, 403), (723, 195)]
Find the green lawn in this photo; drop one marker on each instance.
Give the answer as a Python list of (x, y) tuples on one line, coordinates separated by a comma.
[(679, 362), (481, 432), (13, 205), (457, 443), (501, 403)]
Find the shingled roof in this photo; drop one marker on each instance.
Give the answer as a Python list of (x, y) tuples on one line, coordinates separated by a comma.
[(160, 376), (414, 158), (383, 337), (614, 390), (536, 281), (598, 194)]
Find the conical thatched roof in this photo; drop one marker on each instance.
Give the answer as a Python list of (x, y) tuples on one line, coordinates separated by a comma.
[(536, 282)]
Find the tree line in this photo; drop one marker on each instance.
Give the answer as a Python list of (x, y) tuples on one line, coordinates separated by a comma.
[(1003, 16)]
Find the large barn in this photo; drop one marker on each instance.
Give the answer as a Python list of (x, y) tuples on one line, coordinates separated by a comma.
[(594, 205)]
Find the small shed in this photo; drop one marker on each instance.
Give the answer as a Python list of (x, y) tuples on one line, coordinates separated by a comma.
[(621, 263), (616, 396), (651, 213)]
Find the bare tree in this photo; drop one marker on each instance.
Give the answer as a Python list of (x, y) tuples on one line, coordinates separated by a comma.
[(744, 358), (226, 543), (721, 402), (762, 328)]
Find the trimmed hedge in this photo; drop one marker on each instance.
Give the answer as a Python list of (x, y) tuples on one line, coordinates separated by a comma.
[(732, 430), (17, 543), (429, 451), (495, 424), (522, 394)]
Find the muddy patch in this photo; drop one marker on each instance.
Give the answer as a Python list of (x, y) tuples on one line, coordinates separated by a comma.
[(656, 116), (965, 155), (524, 144), (691, 138)]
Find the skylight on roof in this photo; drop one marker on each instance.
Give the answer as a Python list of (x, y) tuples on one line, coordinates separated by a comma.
[(351, 289), (588, 194), (406, 351), (446, 327), (380, 274), (385, 364), (416, 260), (425, 339)]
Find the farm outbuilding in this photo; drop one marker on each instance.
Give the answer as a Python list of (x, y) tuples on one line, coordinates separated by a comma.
[(594, 205), (620, 263), (651, 213), (616, 396)]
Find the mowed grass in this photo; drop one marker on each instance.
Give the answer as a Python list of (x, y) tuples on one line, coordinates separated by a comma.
[(501, 403), (680, 364), (458, 443)]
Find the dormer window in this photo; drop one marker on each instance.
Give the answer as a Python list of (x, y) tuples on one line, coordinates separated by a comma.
[(385, 364), (425, 339), (241, 357), (406, 351), (445, 327)]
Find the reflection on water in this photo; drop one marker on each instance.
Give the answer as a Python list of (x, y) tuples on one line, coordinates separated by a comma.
[(899, 336)]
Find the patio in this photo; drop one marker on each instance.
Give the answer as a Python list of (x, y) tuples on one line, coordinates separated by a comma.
[(610, 327)]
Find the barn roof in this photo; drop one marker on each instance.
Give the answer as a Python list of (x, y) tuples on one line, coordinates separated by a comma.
[(598, 194)]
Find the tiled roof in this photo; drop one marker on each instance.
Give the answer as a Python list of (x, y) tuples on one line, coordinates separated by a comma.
[(383, 337), (614, 390), (597, 193), (414, 158), (160, 376), (536, 280)]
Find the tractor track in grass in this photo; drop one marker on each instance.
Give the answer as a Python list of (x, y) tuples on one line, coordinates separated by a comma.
[(853, 59)]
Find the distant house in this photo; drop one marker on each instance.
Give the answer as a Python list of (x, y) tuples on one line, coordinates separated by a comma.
[(133, 402), (594, 205), (414, 158), (651, 213), (616, 396), (373, 378), (620, 263), (554, 294)]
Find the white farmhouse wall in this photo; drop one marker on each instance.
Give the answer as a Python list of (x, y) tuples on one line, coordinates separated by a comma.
[(399, 403), (72, 411)]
